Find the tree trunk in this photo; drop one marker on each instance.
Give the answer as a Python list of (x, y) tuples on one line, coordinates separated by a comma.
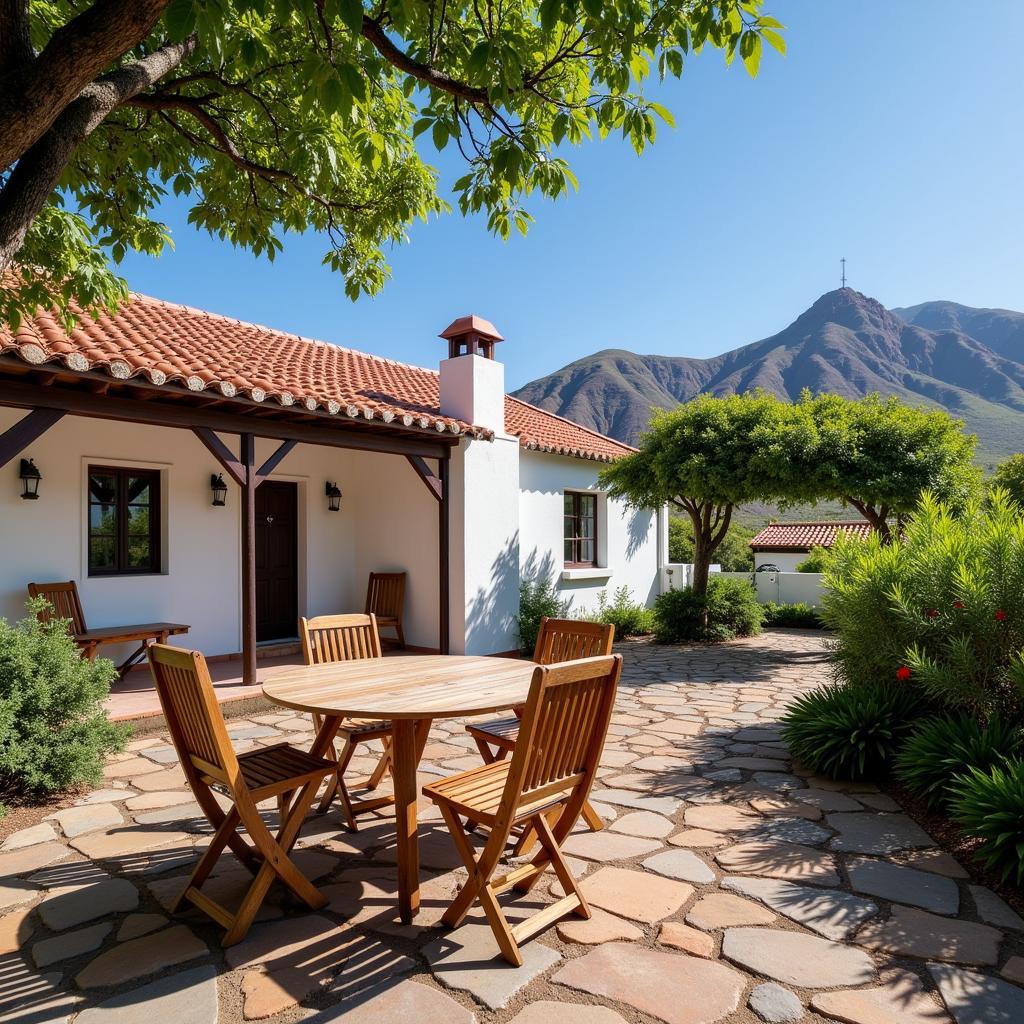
[(878, 518), (702, 552)]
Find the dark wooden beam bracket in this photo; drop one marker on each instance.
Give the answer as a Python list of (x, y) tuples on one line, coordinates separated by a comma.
[(17, 438), (428, 476)]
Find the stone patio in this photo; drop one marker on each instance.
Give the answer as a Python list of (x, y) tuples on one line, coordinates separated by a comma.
[(729, 886)]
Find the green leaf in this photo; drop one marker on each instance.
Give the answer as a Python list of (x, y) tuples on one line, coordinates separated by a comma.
[(180, 18), (750, 51), (440, 134), (352, 15)]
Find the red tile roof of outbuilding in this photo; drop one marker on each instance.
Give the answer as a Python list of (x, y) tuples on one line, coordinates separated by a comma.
[(177, 346), (804, 536)]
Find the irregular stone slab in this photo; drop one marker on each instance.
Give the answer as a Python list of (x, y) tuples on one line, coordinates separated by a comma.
[(764, 764), (795, 830), (135, 925), (797, 959), (904, 885), (910, 932), (699, 838), (602, 927), (547, 1012), (105, 796), (1013, 970), (775, 1004), (687, 939), (75, 904), (70, 945), (15, 930), (666, 805), (937, 861), (877, 833), (29, 997), (267, 944), (828, 800), (160, 798), (127, 841), (974, 998), (31, 858), (77, 821), (829, 912), (992, 909), (468, 959), (780, 782), (722, 818), (900, 1000), (14, 894), (139, 957), (605, 845), (681, 864), (41, 833), (406, 1002), (635, 894), (668, 983), (879, 802), (777, 806), (189, 997), (644, 824), (776, 859), (723, 910)]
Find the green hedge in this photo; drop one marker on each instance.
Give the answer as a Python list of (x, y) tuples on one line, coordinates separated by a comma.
[(729, 609)]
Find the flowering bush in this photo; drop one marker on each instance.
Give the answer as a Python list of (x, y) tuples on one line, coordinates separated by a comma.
[(941, 609)]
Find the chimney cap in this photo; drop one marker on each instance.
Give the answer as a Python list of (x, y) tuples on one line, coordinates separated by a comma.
[(471, 324)]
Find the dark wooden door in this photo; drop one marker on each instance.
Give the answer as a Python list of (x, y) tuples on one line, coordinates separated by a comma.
[(277, 561)]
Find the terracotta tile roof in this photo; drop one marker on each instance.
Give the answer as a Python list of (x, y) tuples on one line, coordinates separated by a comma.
[(804, 536), (178, 346)]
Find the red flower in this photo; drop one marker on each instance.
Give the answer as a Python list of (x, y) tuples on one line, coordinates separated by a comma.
[(932, 613), (958, 605), (903, 673), (1000, 615)]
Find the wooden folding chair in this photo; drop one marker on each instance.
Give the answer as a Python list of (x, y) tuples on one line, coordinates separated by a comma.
[(328, 638), (543, 785), (558, 640), (209, 761), (385, 598)]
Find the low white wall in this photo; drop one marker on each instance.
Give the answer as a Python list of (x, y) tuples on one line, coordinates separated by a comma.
[(784, 587), (627, 539), (787, 561)]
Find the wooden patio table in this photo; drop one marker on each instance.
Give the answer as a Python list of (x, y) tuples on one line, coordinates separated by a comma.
[(410, 691)]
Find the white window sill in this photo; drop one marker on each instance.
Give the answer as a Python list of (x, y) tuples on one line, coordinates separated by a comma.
[(586, 574)]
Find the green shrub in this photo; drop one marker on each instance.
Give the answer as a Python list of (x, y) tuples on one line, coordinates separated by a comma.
[(54, 732), (799, 615), (943, 606), (728, 609), (989, 805), (815, 561), (850, 732), (628, 617), (941, 748), (537, 598)]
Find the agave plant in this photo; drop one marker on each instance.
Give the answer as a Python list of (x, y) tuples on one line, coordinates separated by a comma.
[(989, 805)]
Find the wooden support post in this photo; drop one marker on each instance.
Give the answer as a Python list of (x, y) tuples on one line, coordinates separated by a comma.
[(248, 463), (427, 475), (443, 561), (16, 439)]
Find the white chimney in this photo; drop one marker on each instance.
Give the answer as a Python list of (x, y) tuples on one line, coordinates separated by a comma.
[(472, 380)]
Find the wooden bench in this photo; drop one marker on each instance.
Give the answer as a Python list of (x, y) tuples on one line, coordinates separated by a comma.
[(64, 603)]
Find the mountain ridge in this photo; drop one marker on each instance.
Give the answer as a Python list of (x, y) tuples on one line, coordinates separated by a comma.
[(967, 360)]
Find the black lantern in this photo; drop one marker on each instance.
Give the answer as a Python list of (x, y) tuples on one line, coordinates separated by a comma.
[(220, 490), (30, 478), (333, 492)]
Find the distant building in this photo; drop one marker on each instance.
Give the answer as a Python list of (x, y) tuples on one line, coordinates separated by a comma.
[(785, 545)]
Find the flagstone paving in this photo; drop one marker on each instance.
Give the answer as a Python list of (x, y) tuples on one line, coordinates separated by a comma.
[(730, 886)]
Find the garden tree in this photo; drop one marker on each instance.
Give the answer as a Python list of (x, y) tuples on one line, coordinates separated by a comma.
[(880, 455), (1009, 476), (710, 455), (291, 115), (733, 554)]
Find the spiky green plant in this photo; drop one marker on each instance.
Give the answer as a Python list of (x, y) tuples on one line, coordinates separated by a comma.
[(989, 805), (939, 749), (850, 732)]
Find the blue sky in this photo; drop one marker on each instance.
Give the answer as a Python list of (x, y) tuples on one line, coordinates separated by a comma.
[(890, 134)]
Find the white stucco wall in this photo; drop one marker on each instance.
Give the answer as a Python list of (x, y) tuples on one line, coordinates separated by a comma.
[(787, 561), (388, 520), (627, 539)]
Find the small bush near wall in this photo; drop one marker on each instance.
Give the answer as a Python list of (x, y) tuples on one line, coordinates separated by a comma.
[(54, 732), (627, 616), (797, 616), (729, 609), (537, 598), (815, 561), (942, 609)]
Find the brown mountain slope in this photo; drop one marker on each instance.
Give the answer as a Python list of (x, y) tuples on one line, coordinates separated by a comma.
[(845, 343)]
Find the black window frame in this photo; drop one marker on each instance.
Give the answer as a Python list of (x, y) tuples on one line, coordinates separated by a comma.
[(122, 566), (575, 540)]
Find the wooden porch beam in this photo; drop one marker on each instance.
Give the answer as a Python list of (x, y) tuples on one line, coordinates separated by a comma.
[(17, 438), (249, 485), (322, 430), (443, 559), (427, 475), (222, 453), (272, 463)]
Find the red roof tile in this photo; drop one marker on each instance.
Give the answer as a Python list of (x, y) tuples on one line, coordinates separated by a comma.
[(178, 346), (804, 536)]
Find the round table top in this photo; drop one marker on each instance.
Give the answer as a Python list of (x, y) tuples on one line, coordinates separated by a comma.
[(405, 686)]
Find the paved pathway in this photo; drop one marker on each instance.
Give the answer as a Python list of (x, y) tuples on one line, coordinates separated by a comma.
[(729, 886)]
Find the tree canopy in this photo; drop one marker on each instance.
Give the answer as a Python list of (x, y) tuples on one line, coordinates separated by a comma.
[(276, 116)]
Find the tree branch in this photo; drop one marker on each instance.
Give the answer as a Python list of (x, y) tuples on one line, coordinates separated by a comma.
[(15, 39)]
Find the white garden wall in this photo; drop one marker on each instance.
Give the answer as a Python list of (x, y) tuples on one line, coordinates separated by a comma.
[(784, 587)]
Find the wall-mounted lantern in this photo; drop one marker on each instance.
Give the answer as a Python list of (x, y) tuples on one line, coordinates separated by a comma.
[(30, 477), (219, 489), (333, 492)]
